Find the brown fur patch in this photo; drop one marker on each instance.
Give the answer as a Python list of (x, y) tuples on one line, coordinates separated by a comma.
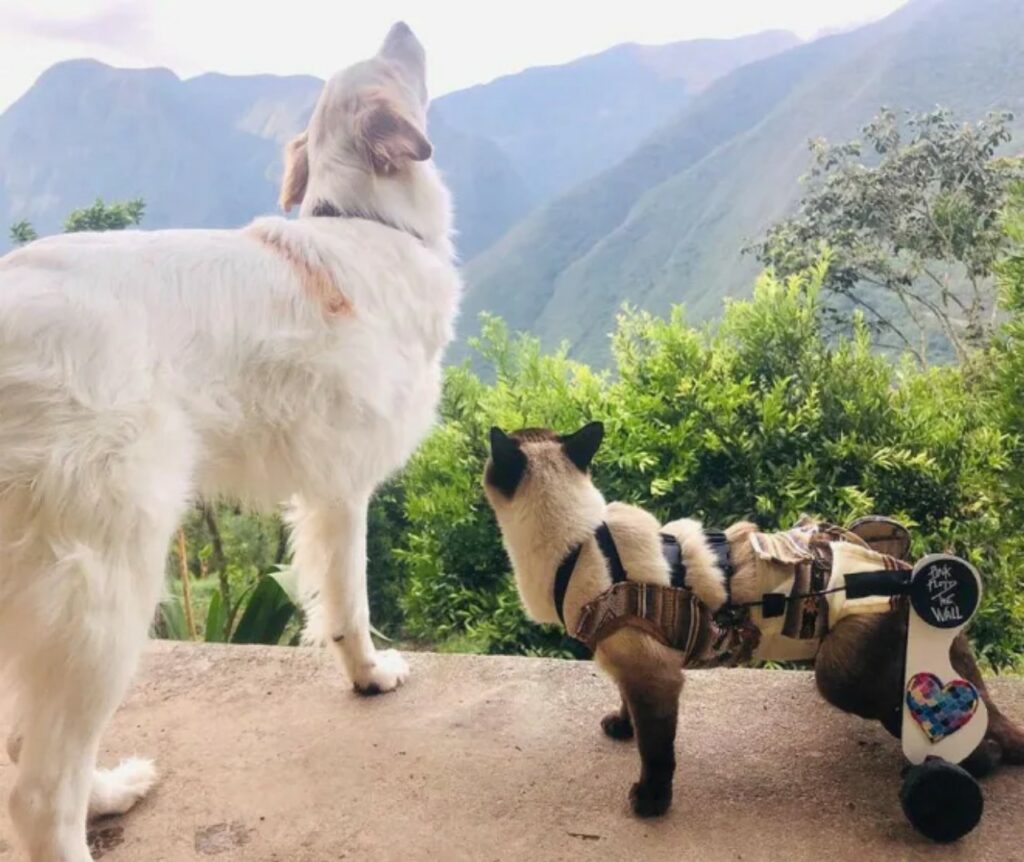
[(388, 137), (535, 435), (317, 282), (296, 172)]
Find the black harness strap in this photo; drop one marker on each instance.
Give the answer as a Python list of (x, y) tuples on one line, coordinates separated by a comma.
[(673, 555), (611, 553), (669, 547), (562, 577), (719, 545), (564, 574)]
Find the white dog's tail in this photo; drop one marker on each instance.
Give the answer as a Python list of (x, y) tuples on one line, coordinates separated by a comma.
[(114, 791)]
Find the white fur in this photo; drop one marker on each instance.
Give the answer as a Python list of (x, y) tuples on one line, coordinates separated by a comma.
[(140, 369), (115, 791)]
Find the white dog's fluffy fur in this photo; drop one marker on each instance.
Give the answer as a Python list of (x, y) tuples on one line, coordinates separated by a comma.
[(290, 360)]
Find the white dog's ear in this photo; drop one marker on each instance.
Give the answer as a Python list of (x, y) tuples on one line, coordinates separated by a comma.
[(296, 172), (402, 48), (389, 138)]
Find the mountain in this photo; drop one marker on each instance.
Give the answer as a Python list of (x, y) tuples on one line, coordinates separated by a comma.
[(489, 192), (561, 124), (201, 152), (205, 152), (667, 223)]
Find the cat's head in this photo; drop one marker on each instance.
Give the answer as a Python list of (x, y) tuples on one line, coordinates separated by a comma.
[(539, 463)]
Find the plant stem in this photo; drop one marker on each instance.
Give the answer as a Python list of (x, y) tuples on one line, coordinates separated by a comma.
[(186, 587)]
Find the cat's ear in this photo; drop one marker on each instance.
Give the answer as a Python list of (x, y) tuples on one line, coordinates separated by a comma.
[(507, 465), (582, 446)]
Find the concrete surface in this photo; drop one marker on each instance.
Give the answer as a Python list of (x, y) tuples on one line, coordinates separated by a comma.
[(267, 755)]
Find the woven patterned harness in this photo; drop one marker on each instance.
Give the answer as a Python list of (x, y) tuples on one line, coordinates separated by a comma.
[(672, 614), (676, 617)]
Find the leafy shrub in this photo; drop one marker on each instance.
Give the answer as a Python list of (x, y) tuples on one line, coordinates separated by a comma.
[(764, 418)]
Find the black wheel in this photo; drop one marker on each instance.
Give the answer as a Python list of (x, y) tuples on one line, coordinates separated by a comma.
[(941, 800)]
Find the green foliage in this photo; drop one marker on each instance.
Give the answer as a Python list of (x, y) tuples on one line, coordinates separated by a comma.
[(170, 620), (911, 216), (766, 418), (267, 611), (216, 620), (1010, 349), (386, 576), (98, 217), (999, 628), (229, 553), (22, 232), (101, 216)]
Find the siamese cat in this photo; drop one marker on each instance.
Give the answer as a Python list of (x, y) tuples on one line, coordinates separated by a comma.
[(572, 553)]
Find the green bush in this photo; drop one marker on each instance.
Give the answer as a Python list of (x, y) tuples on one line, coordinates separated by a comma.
[(1000, 628), (763, 418)]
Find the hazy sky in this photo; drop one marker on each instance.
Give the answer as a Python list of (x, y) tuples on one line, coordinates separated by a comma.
[(467, 42)]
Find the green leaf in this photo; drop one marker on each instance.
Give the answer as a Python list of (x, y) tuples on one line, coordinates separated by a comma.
[(173, 615), (267, 613), (216, 619), (288, 580)]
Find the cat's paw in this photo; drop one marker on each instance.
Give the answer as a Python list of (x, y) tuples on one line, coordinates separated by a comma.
[(617, 726), (650, 800)]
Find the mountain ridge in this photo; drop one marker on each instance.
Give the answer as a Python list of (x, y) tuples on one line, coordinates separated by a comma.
[(204, 151), (659, 237)]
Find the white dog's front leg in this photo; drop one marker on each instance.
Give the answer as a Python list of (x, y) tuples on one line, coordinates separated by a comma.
[(330, 554)]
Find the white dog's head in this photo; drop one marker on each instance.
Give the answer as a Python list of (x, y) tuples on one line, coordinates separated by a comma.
[(366, 149)]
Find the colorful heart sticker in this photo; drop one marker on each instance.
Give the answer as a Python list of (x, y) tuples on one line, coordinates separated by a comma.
[(940, 709)]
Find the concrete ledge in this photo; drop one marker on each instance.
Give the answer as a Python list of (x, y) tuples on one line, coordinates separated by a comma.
[(267, 755)]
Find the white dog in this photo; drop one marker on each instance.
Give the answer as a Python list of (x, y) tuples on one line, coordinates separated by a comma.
[(288, 360)]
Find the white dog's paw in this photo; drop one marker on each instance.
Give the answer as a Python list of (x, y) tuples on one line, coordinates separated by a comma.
[(386, 672), (115, 791)]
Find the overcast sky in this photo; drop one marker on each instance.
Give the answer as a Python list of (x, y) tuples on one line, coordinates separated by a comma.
[(467, 42)]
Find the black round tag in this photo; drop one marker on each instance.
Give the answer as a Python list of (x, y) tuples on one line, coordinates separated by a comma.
[(944, 592)]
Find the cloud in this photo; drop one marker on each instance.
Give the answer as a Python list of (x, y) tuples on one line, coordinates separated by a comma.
[(120, 25)]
